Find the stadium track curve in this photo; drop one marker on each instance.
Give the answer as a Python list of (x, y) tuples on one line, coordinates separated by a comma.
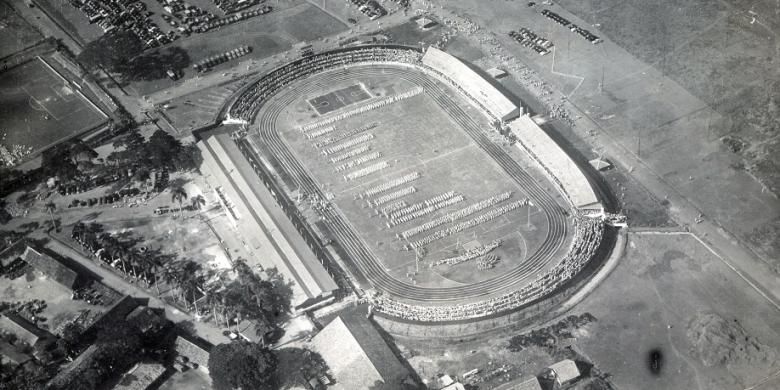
[(267, 116)]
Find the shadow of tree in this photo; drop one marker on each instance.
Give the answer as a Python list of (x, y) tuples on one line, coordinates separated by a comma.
[(298, 365), (154, 65)]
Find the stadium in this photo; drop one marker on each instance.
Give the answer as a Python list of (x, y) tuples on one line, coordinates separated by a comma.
[(390, 161)]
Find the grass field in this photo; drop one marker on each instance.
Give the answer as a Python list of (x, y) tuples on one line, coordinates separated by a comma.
[(415, 135), (39, 109), (15, 33)]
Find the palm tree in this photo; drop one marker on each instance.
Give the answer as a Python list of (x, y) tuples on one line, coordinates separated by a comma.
[(198, 201), (178, 195), (50, 207)]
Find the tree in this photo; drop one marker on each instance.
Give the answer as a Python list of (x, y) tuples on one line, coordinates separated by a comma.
[(50, 207), (112, 51), (178, 194), (198, 201), (243, 365)]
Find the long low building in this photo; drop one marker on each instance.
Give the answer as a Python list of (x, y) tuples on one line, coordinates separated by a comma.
[(262, 223), (557, 163), (493, 100)]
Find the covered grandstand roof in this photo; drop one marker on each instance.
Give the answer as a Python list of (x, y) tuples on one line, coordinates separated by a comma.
[(357, 355), (262, 222), (472, 83), (557, 163)]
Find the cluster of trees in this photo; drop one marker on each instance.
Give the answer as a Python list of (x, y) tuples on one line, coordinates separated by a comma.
[(122, 53), (228, 300), (242, 365), (249, 297), (160, 151)]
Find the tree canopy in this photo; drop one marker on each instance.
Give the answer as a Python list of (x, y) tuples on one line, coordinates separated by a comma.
[(242, 365), (160, 151), (112, 51), (121, 52)]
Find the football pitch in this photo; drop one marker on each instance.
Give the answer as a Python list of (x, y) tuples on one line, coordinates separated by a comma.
[(338, 99), (39, 108)]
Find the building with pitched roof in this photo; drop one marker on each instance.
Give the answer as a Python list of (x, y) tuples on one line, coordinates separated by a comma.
[(565, 371), (10, 354), (51, 267), (358, 357), (521, 384), (23, 329), (194, 349), (141, 377)]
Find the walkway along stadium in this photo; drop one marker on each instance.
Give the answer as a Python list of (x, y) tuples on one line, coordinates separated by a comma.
[(404, 185)]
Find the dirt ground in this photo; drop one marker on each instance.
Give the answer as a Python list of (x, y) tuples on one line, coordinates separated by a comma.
[(60, 309), (665, 287)]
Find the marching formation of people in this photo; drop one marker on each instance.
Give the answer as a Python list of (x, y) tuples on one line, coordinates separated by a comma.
[(388, 185), (422, 209), (352, 153), (373, 168), (358, 161), (342, 136), (461, 226), (455, 215), (469, 255)]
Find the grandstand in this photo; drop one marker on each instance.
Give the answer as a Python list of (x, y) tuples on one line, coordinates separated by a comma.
[(479, 89), (556, 163), (262, 224), (401, 191)]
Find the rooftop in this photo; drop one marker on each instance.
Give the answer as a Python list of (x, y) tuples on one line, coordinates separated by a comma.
[(357, 355), (565, 370), (22, 328)]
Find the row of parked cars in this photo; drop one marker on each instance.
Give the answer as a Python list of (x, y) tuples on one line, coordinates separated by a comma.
[(370, 8), (184, 17), (230, 6), (105, 199), (210, 62), (590, 37), (237, 17), (531, 40), (128, 15), (83, 186)]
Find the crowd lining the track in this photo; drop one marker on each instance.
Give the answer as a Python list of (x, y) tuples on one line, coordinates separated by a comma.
[(587, 238), (588, 231)]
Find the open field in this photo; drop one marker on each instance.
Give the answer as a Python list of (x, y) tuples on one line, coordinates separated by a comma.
[(656, 298), (40, 109), (413, 135), (15, 33)]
